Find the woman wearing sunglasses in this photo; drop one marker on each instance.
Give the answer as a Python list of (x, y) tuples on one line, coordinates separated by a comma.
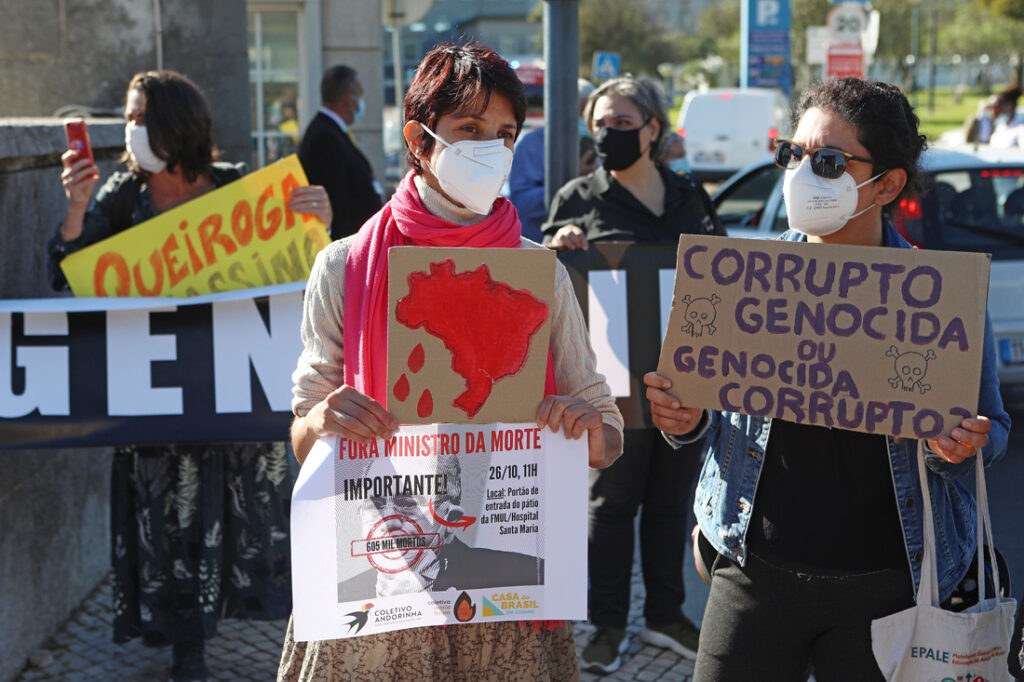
[(819, 531)]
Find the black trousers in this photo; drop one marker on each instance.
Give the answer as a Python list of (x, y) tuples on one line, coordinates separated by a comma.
[(651, 476), (763, 622)]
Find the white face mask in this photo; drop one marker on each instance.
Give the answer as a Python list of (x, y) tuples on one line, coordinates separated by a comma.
[(471, 172), (819, 206), (136, 139)]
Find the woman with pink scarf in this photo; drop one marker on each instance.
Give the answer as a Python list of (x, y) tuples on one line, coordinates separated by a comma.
[(464, 109)]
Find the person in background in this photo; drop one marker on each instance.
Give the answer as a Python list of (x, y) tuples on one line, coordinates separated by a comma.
[(674, 155), (816, 531), (464, 102), (1008, 127), (289, 124), (978, 126), (526, 181), (199, 531), (330, 157), (633, 197)]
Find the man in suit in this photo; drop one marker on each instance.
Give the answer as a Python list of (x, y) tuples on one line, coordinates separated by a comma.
[(331, 159)]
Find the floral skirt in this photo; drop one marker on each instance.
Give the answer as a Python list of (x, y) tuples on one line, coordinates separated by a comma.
[(198, 532), (476, 652)]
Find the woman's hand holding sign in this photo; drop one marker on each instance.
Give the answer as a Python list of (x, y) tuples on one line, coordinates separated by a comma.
[(344, 412), (312, 200), (577, 416), (671, 417), (964, 441), (667, 413)]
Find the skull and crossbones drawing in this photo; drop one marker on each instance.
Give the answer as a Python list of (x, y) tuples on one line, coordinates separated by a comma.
[(911, 369), (700, 314)]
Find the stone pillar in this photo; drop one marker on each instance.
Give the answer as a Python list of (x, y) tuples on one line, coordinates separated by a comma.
[(353, 34), (54, 504)]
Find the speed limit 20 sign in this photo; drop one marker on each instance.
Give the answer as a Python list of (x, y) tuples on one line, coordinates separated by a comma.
[(846, 22)]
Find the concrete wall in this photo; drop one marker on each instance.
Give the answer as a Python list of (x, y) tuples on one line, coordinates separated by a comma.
[(54, 504), (54, 518), (353, 35), (59, 52)]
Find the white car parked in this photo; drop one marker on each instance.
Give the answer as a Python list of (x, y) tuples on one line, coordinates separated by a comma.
[(727, 129)]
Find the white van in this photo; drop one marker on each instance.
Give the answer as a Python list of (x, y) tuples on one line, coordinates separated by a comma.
[(729, 129)]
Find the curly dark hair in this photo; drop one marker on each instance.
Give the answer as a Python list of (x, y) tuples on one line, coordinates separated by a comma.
[(451, 76), (885, 121), (178, 122)]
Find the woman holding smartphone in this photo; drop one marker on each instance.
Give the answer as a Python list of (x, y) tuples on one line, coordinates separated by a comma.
[(199, 531)]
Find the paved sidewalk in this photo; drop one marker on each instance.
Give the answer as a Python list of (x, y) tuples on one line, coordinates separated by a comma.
[(83, 650)]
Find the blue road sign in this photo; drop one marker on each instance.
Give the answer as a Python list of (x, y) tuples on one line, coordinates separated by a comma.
[(606, 65), (765, 50)]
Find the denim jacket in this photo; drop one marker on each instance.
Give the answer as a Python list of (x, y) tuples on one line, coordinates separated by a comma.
[(725, 495)]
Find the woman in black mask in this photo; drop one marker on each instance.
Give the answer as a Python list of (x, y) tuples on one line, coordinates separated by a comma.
[(633, 197)]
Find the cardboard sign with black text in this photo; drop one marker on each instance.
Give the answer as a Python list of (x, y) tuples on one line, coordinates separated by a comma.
[(879, 340)]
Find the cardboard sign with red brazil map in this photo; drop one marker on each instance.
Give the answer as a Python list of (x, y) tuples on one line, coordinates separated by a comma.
[(468, 333)]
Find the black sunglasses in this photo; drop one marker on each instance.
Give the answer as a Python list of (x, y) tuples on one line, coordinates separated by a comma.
[(825, 161)]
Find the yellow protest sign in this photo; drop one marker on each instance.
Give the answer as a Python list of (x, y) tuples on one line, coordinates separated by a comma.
[(239, 236)]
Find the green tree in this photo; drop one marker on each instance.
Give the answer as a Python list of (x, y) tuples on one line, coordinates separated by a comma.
[(1003, 28), (805, 13), (628, 27), (721, 25), (1013, 9)]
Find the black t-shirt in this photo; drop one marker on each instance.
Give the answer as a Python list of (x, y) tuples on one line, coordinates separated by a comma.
[(825, 500), (607, 211)]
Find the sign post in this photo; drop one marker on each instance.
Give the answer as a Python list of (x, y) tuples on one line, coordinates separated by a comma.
[(845, 60), (606, 65), (765, 50)]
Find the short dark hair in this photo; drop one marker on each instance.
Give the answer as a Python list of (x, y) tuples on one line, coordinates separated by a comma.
[(178, 122), (449, 77), (337, 82), (885, 121)]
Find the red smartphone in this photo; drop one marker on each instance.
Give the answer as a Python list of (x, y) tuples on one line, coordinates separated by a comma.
[(78, 139)]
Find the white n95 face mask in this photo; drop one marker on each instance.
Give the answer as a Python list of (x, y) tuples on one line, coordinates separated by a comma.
[(136, 140), (472, 172), (819, 206)]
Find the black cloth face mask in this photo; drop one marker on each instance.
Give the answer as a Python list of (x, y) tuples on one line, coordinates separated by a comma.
[(618, 149)]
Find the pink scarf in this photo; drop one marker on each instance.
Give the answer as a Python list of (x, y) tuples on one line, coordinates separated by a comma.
[(405, 221)]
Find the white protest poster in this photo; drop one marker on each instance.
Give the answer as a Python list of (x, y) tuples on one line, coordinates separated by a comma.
[(441, 525)]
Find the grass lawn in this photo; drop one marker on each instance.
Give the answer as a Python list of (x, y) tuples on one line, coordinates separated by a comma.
[(946, 115)]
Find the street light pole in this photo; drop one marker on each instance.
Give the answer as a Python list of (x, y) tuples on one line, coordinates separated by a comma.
[(561, 69), (932, 57), (914, 44)]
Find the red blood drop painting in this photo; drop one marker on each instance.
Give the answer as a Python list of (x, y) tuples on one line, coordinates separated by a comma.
[(416, 358), (486, 325), (401, 389), (425, 407)]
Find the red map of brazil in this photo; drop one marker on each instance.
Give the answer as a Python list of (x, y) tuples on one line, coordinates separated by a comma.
[(485, 324)]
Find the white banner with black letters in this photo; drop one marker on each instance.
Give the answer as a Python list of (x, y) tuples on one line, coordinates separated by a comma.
[(78, 372), (110, 371)]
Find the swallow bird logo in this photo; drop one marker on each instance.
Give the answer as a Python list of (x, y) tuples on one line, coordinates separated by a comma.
[(359, 618)]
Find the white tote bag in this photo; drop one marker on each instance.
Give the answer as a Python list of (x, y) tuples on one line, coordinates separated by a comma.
[(926, 642)]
